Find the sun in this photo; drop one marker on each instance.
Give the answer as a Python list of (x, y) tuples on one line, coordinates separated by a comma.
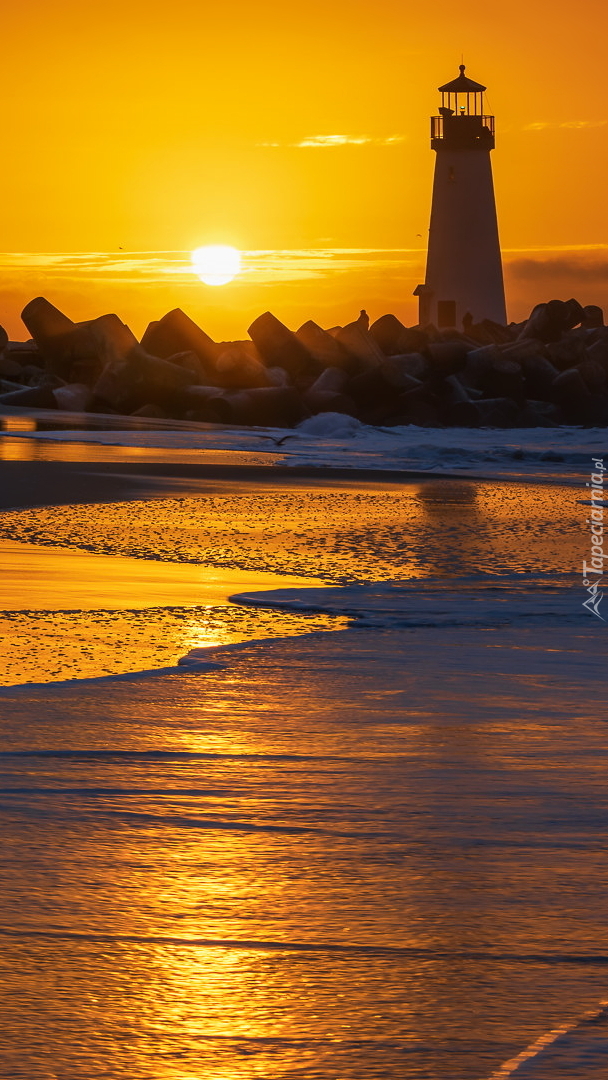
[(216, 264)]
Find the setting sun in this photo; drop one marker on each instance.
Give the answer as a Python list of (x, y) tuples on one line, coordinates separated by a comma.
[(216, 264)]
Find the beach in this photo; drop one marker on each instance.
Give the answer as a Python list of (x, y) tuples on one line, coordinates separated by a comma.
[(357, 831)]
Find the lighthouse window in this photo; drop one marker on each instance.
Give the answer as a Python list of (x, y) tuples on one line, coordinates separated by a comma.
[(446, 313)]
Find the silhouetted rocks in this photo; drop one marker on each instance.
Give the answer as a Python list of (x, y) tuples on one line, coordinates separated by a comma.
[(332, 379), (75, 397), (238, 368), (552, 369), (205, 404), (357, 340), (593, 316), (266, 407), (30, 397), (324, 348), (47, 325), (400, 370), (548, 321), (539, 376), (176, 332), (448, 357), (279, 346), (395, 338), (9, 368), (318, 401)]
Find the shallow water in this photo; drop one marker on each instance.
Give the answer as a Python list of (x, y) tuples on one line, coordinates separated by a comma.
[(196, 551), (69, 614), (337, 532), (322, 861), (372, 853)]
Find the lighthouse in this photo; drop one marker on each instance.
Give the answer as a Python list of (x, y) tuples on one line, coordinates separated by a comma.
[(463, 267)]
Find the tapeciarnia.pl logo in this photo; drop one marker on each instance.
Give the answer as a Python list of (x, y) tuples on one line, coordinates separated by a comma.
[(593, 571)]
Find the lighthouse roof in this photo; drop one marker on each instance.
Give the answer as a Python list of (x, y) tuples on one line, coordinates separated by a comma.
[(462, 85)]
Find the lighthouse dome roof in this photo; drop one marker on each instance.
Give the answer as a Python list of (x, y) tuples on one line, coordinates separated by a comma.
[(462, 85)]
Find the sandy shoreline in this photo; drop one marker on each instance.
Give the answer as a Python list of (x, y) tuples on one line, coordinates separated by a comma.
[(26, 484)]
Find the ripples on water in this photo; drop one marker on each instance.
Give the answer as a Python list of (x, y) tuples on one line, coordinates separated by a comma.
[(321, 861), (47, 646), (348, 856)]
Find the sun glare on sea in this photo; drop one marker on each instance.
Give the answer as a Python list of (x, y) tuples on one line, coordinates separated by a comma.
[(216, 264)]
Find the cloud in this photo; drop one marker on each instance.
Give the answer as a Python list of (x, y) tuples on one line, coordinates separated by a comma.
[(555, 125), (560, 269), (557, 269), (324, 141), (259, 267)]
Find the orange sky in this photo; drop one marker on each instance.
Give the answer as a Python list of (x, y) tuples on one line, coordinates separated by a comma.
[(159, 128)]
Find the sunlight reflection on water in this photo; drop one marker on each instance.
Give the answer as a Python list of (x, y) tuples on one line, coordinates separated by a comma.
[(271, 871)]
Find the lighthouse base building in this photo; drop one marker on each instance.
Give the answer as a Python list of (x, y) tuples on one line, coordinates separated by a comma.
[(464, 278)]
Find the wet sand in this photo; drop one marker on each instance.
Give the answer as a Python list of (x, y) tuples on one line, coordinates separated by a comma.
[(60, 579), (60, 483), (139, 581)]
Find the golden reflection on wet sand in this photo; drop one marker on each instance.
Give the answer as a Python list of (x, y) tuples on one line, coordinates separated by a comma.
[(68, 614), (338, 532), (142, 555), (68, 450), (45, 578)]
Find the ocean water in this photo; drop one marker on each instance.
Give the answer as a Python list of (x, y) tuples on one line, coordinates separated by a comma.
[(356, 853), (328, 439), (328, 859)]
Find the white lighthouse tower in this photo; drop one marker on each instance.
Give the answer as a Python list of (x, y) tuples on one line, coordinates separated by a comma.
[(464, 267)]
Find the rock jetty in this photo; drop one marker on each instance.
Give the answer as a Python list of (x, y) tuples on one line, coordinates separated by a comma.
[(551, 369)]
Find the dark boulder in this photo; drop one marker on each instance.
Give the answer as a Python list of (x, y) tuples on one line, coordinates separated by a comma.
[(540, 414), (594, 375), (319, 401), (573, 396), (567, 352), (488, 332), (75, 397), (448, 357), (279, 346), (395, 338), (266, 407), (331, 380), (236, 368), (486, 412), (9, 368), (46, 323), (452, 391), (489, 370), (593, 317), (31, 397), (324, 349), (361, 344), (369, 390), (418, 406), (277, 376), (398, 370), (150, 412), (549, 321), (176, 332), (598, 351), (539, 376)]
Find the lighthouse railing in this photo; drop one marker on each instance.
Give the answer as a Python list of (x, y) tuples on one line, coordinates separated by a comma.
[(442, 127)]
